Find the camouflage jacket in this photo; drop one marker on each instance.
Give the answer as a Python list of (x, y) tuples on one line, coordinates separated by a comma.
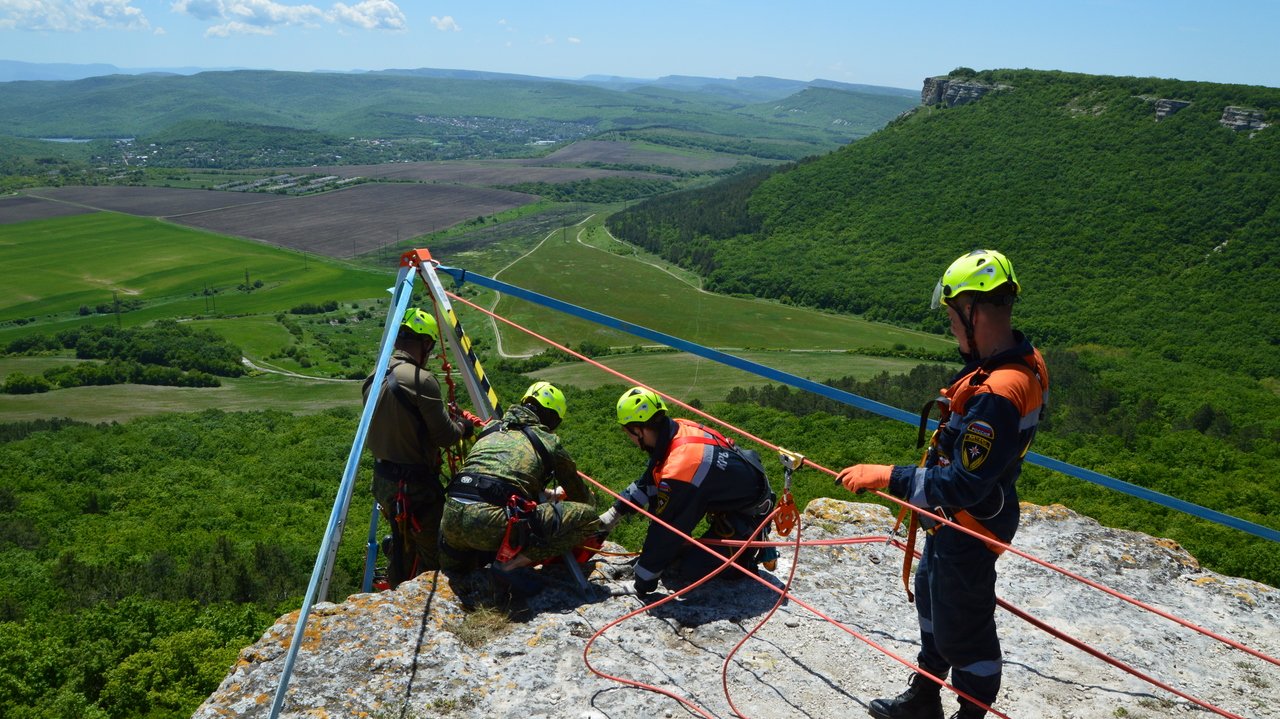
[(503, 451)]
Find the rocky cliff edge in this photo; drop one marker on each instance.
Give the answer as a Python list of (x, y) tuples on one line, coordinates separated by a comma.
[(415, 653)]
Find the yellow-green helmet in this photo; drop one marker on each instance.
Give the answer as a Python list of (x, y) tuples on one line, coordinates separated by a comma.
[(638, 405), (549, 396), (421, 322), (979, 271)]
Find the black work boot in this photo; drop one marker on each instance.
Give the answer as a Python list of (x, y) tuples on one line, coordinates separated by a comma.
[(968, 710), (919, 701)]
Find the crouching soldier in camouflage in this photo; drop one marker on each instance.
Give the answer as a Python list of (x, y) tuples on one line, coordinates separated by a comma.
[(498, 508)]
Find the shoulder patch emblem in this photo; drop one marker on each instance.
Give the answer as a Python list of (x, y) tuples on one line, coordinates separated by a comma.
[(662, 499), (975, 445)]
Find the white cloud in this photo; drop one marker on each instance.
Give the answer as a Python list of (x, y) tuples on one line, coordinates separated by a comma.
[(574, 40), (71, 15), (254, 16), (235, 27), (548, 40), (199, 9), (445, 23), (370, 15)]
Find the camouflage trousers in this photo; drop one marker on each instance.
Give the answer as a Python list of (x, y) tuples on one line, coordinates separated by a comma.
[(415, 545), (478, 527)]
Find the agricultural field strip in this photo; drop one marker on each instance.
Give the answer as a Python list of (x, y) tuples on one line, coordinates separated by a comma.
[(342, 223), (626, 153), (150, 201), (23, 208), (476, 173), (360, 219)]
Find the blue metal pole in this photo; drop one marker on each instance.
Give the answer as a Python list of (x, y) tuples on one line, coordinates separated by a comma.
[(403, 292)]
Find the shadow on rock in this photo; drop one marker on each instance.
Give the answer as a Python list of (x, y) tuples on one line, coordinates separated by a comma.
[(722, 599)]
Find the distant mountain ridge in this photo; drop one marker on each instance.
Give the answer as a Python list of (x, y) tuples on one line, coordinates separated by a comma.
[(749, 89), (476, 114), (16, 70)]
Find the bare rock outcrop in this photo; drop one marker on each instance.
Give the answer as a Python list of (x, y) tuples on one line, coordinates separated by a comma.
[(1242, 119), (1166, 107), (950, 92), (409, 653)]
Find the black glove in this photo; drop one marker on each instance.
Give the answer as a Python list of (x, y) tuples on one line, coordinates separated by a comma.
[(646, 586)]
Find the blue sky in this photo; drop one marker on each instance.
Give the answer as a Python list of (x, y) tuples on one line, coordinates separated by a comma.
[(881, 43)]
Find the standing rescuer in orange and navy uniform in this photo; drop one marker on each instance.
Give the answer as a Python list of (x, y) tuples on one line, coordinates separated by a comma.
[(989, 417)]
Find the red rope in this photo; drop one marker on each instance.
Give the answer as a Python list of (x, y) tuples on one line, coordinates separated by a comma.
[(703, 546), (785, 594)]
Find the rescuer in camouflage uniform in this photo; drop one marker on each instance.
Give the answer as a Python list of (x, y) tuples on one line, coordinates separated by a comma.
[(409, 427), (517, 455)]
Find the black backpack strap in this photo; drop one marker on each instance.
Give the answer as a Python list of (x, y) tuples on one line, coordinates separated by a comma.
[(547, 465), (388, 382)]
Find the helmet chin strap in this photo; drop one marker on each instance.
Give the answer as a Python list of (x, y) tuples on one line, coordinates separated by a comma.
[(973, 354)]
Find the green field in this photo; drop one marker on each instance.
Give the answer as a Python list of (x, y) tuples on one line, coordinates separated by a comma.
[(54, 267), (167, 268), (630, 289), (691, 377), (120, 403)]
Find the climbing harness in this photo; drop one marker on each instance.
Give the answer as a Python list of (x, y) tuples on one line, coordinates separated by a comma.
[(517, 534)]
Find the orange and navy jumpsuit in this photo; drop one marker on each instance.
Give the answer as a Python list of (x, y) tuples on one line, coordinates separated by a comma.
[(989, 418), (695, 472)]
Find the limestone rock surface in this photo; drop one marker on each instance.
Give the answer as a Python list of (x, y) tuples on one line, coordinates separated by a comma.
[(1242, 119), (403, 654), (951, 92)]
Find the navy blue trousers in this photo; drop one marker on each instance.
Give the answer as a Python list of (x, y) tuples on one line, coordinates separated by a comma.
[(955, 589)]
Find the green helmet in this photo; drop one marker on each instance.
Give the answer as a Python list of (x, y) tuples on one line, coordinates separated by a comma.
[(638, 405), (547, 395), (421, 322), (979, 271)]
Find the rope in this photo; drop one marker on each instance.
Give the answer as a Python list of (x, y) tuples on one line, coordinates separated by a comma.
[(786, 593), (460, 276)]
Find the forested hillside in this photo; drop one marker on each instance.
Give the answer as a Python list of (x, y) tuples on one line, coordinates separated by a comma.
[(1126, 231)]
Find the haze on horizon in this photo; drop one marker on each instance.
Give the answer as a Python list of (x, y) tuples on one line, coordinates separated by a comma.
[(893, 44)]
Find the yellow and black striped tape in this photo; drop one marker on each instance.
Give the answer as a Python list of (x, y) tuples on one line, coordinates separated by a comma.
[(465, 343)]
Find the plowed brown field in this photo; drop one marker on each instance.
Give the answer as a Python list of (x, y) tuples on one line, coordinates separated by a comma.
[(22, 208), (487, 172), (357, 220), (626, 153), (339, 224), (149, 201)]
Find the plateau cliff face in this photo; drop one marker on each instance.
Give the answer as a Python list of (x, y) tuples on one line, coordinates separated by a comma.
[(411, 652), (951, 92)]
